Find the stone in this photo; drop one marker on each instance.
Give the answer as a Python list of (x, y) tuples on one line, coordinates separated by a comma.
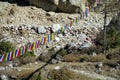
[(19, 70), (50, 13), (57, 67), (100, 64), (70, 6), (41, 29), (2, 68), (55, 27), (58, 57), (57, 39), (60, 35), (54, 61), (3, 77), (10, 65), (85, 45)]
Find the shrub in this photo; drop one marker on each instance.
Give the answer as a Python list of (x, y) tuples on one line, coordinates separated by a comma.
[(111, 63), (71, 58), (84, 58), (6, 47), (39, 76), (62, 52), (98, 58)]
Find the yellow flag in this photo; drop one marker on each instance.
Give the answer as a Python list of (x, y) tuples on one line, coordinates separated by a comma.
[(6, 58), (53, 36), (33, 46), (13, 56)]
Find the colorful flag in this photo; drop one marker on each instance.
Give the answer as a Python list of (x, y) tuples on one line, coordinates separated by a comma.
[(24, 49), (52, 36), (42, 42), (87, 12), (2, 58), (18, 52), (34, 46), (45, 40), (49, 38), (6, 57), (78, 18), (14, 54), (70, 23), (31, 46), (10, 56), (37, 43)]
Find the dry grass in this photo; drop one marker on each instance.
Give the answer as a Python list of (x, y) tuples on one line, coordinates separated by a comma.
[(71, 58), (65, 74)]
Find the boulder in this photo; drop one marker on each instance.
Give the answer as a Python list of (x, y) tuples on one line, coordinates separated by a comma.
[(55, 27), (58, 57), (57, 67), (50, 13), (2, 68), (54, 61), (3, 77), (57, 39), (70, 6), (85, 45), (41, 29)]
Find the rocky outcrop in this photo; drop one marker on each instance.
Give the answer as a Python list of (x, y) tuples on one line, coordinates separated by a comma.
[(70, 6)]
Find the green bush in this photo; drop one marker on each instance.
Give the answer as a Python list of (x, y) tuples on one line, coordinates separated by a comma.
[(39, 76), (6, 47), (62, 52)]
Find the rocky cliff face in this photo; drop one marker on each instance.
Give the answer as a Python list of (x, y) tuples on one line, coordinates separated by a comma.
[(71, 6)]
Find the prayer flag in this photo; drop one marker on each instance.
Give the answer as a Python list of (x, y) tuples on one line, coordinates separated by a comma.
[(45, 40), (33, 48), (49, 38), (52, 36), (10, 56), (42, 41), (2, 58), (14, 54), (70, 23), (6, 57)]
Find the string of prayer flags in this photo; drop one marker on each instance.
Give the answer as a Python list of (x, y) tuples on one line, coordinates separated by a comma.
[(10, 56), (2, 58)]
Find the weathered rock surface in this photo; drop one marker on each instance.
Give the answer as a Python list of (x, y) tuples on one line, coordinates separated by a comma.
[(71, 6)]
